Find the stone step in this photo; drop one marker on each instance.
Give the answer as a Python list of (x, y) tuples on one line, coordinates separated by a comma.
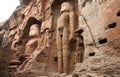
[(23, 55), (14, 62), (12, 67)]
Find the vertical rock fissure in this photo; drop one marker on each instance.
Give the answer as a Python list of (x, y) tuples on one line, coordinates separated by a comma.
[(91, 34)]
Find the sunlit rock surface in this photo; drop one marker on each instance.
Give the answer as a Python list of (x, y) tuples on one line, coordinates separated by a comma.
[(93, 52)]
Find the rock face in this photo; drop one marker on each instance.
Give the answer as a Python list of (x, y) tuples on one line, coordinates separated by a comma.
[(101, 25), (5, 57), (80, 38)]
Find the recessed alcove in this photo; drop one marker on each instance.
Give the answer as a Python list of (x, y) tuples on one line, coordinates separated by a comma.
[(23, 16), (30, 22), (89, 76), (92, 54), (118, 13), (79, 31), (75, 75), (81, 44), (103, 41), (112, 25), (56, 59)]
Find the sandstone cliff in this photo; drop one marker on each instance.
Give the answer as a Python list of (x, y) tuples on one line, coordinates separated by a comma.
[(94, 52)]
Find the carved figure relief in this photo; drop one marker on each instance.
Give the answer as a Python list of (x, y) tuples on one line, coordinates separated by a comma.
[(33, 42), (30, 47), (79, 46), (16, 39), (65, 33), (45, 32)]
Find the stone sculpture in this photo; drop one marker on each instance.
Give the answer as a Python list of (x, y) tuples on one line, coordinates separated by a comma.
[(45, 38), (79, 45), (17, 37), (46, 32), (65, 33), (33, 42), (31, 46)]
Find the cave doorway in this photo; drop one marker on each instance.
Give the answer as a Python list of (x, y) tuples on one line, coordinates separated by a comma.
[(78, 54), (81, 50), (30, 22)]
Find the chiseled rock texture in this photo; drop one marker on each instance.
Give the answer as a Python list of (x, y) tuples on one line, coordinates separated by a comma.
[(103, 19), (99, 20), (5, 57)]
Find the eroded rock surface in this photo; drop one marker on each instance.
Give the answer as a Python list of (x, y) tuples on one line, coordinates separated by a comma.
[(79, 38)]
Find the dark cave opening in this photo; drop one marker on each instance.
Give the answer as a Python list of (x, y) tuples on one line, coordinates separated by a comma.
[(118, 13), (30, 22), (92, 54), (23, 16), (102, 41), (113, 25), (56, 59)]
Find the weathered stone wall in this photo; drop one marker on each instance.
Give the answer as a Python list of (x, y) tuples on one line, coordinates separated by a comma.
[(6, 54), (97, 29), (100, 21)]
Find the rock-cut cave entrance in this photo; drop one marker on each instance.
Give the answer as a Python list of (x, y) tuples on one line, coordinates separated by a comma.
[(31, 21)]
